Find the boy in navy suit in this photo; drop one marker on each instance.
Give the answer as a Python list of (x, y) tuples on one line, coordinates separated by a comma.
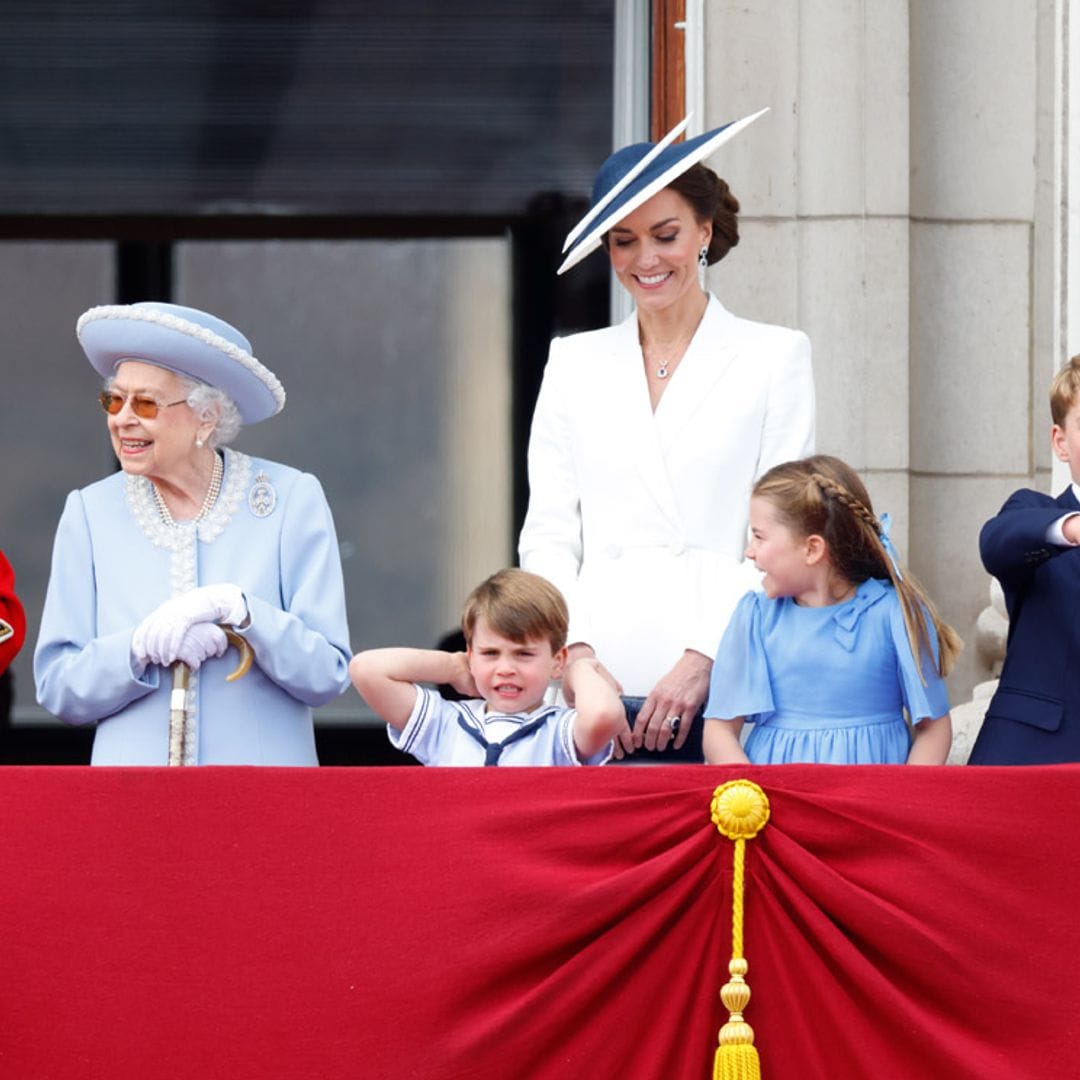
[(1032, 547)]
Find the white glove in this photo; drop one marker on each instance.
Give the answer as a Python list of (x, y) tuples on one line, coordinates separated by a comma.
[(202, 641), (157, 638)]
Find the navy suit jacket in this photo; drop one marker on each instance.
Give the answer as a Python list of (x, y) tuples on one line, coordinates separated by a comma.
[(1034, 717)]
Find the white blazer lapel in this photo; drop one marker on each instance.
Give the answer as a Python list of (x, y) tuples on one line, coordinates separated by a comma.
[(706, 360), (634, 409)]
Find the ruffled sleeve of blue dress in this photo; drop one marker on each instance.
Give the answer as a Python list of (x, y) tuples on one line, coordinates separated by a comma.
[(926, 697), (741, 684)]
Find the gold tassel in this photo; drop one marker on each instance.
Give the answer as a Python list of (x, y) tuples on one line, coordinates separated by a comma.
[(740, 810)]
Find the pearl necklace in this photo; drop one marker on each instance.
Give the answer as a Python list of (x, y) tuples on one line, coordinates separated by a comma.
[(212, 493)]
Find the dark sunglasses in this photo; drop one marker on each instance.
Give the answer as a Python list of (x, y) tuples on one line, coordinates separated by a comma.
[(145, 408)]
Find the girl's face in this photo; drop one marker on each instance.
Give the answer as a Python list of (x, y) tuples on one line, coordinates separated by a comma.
[(654, 250), (781, 555)]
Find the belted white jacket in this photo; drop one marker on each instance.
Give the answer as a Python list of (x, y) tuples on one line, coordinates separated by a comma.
[(640, 518)]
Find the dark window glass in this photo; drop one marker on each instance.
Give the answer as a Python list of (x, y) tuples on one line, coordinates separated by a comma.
[(365, 109)]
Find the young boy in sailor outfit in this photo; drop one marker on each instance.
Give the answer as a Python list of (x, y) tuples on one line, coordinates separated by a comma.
[(515, 626)]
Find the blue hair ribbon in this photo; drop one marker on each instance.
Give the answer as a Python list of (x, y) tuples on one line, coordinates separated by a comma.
[(884, 524)]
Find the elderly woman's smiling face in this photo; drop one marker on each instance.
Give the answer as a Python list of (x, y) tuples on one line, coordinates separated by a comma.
[(162, 447)]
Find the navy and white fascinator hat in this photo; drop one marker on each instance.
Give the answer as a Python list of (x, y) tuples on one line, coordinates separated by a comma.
[(184, 340), (634, 174)]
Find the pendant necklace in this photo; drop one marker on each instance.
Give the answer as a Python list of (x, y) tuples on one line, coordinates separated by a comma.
[(675, 354), (663, 367)]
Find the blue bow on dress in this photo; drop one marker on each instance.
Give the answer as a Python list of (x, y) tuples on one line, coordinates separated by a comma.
[(847, 615)]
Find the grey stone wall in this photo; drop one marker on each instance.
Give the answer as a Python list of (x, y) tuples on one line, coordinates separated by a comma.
[(899, 205)]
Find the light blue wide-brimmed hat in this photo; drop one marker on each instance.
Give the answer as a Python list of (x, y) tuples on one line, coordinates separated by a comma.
[(633, 175), (187, 341)]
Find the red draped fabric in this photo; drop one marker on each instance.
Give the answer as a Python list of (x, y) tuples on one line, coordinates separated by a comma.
[(496, 924)]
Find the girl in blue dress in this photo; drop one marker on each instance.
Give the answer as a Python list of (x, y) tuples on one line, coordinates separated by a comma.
[(823, 662)]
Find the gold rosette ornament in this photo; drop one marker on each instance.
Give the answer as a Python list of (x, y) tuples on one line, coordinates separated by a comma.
[(740, 810)]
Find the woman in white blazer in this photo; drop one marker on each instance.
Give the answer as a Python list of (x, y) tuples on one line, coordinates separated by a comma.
[(648, 436)]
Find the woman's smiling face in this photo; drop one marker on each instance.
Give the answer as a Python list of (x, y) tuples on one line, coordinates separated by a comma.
[(654, 250)]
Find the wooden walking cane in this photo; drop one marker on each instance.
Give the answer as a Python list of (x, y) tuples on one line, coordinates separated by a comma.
[(178, 703)]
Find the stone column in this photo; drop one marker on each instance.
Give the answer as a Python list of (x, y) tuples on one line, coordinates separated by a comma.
[(900, 206), (977, 384), (823, 179)]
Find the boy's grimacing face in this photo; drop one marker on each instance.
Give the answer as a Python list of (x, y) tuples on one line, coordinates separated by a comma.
[(1066, 440), (512, 676)]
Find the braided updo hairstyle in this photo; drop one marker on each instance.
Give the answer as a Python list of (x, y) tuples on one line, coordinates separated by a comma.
[(711, 200), (823, 496)]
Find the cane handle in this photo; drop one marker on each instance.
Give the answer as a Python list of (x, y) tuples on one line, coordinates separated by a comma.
[(244, 649)]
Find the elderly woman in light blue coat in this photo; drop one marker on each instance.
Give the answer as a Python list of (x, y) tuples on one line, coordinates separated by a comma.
[(190, 536)]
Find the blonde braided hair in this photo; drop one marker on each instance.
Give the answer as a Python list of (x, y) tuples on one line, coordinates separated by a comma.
[(824, 496), (838, 491)]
